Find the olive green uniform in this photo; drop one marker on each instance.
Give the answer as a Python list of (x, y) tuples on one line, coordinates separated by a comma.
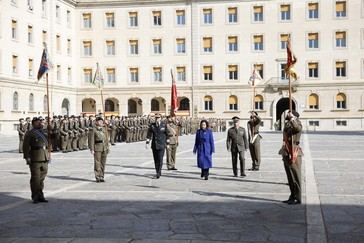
[(254, 141), (172, 134), (100, 145)]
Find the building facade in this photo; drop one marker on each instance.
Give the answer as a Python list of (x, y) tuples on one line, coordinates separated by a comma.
[(210, 46)]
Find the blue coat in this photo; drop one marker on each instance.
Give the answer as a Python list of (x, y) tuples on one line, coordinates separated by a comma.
[(204, 147)]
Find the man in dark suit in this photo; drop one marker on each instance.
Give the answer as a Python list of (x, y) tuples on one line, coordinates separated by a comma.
[(158, 132), (254, 139), (237, 144)]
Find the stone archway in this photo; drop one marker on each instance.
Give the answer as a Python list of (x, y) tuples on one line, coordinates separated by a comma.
[(282, 107), (65, 107)]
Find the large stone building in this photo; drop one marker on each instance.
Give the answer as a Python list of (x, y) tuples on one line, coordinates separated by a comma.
[(211, 46)]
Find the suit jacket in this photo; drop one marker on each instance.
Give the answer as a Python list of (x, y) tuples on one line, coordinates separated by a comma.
[(236, 140), (158, 135), (35, 146), (253, 129)]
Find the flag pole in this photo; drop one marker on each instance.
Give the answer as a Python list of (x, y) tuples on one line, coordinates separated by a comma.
[(172, 108), (48, 120), (102, 101), (253, 100)]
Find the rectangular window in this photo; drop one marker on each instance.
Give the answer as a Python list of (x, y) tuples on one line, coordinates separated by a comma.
[(68, 18), (133, 46), (181, 17), (341, 123), (207, 73), (87, 48), (110, 75), (233, 72), (110, 47), (110, 20), (258, 42), (58, 72), (233, 43), (157, 74), (133, 19), (314, 123), (207, 16), (340, 7), (15, 64), (340, 69), (207, 44), (283, 76), (258, 13), (30, 68), (13, 29), (340, 38), (285, 12), (313, 41), (44, 36), (233, 15), (87, 75), (44, 8), (283, 41), (86, 20), (313, 10), (260, 69), (181, 74), (58, 13), (30, 34), (69, 47), (157, 18), (181, 45), (69, 75), (134, 74), (58, 43), (313, 69), (157, 46)]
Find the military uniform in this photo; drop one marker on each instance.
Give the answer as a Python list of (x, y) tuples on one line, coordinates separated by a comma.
[(99, 144), (173, 130), (35, 153), (292, 165), (237, 143), (22, 129), (254, 140)]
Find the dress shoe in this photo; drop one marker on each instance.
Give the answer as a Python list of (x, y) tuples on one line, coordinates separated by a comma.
[(286, 201), (35, 201), (235, 175), (206, 178), (102, 180), (293, 202), (174, 168), (97, 180), (251, 169), (243, 175), (43, 200)]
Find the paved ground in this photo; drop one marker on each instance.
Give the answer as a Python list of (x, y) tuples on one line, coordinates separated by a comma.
[(180, 207)]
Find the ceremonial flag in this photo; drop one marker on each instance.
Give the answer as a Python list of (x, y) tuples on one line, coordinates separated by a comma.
[(255, 75), (291, 61), (44, 64), (98, 80), (174, 101)]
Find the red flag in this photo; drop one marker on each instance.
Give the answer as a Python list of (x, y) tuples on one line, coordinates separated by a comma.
[(291, 61), (174, 102)]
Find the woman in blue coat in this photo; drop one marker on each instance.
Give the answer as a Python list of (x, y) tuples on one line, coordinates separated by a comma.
[(204, 147)]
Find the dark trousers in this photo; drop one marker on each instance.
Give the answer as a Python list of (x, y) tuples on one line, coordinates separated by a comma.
[(293, 172), (234, 157), (255, 154), (158, 160), (205, 172)]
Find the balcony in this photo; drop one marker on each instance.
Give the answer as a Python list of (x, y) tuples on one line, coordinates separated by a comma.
[(276, 84)]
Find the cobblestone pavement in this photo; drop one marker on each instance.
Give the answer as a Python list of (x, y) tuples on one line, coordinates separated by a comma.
[(180, 207)]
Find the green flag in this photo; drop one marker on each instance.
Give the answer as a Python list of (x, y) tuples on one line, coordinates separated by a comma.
[(98, 80)]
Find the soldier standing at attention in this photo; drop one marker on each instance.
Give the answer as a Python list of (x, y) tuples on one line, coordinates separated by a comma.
[(237, 144), (37, 156), (254, 139), (158, 132), (292, 155), (173, 133), (99, 146), (22, 129)]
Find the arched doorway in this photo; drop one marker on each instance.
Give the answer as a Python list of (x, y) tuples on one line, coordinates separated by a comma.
[(88, 105), (281, 108), (135, 106), (111, 105), (65, 107), (184, 104), (158, 105)]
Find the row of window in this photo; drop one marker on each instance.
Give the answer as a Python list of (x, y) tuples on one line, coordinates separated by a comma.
[(313, 102), (207, 71), (207, 15), (339, 123)]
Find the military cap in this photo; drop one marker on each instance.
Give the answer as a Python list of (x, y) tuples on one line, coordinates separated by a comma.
[(65, 116), (296, 114), (21, 119), (254, 112), (99, 118), (55, 117), (72, 116), (235, 118), (158, 115)]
